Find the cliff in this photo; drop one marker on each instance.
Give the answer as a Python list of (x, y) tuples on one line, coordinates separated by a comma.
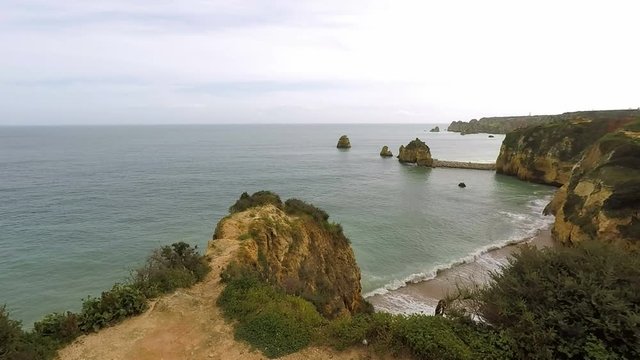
[(601, 199), (416, 152), (498, 125), (547, 153), (294, 247)]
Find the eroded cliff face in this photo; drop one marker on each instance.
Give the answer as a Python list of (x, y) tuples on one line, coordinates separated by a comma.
[(547, 153), (601, 200), (302, 256), (416, 152)]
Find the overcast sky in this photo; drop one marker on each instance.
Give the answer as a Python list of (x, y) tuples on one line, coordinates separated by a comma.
[(196, 61)]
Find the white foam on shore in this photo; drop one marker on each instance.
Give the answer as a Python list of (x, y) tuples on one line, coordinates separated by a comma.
[(528, 225)]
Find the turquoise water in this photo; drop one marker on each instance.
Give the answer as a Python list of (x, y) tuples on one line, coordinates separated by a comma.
[(80, 206)]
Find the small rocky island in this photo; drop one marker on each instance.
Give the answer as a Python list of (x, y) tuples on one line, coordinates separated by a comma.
[(416, 152), (435, 129), (385, 152), (343, 142)]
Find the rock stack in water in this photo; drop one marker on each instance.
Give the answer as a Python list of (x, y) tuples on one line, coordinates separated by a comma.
[(343, 142), (385, 152), (435, 129), (416, 152)]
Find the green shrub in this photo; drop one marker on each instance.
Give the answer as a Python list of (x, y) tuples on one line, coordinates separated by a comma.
[(568, 303), (259, 198), (268, 319), (111, 307), (62, 328), (169, 268), (299, 207), (11, 335)]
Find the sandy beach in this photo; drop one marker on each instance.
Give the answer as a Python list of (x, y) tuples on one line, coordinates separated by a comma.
[(422, 297)]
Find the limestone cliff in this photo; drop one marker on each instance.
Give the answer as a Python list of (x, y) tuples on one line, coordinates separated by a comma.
[(601, 199), (416, 152), (547, 153), (295, 248), (498, 125)]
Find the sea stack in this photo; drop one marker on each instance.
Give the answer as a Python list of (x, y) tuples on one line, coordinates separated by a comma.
[(385, 152), (416, 152), (435, 129), (343, 142)]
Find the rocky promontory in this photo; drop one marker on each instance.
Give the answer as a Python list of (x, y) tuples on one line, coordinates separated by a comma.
[(601, 199), (416, 152), (547, 153), (294, 247), (385, 152), (343, 142), (498, 125)]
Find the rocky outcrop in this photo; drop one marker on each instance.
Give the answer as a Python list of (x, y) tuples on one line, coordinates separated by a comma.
[(343, 142), (547, 153), (295, 248), (601, 199), (385, 152), (416, 152), (435, 129), (498, 125)]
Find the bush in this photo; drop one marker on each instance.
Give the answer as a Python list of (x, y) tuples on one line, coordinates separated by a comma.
[(259, 198), (62, 328), (268, 319), (568, 303), (299, 207), (169, 268), (11, 335), (111, 307)]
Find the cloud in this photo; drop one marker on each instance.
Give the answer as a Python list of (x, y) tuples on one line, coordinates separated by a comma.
[(210, 61)]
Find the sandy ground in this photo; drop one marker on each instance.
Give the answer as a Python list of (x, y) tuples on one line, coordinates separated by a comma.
[(186, 324)]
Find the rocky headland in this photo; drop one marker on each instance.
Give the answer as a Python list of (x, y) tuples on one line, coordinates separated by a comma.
[(595, 158), (547, 153), (343, 142), (416, 152), (498, 125)]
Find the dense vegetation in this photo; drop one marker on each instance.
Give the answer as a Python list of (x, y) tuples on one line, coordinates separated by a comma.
[(167, 269), (567, 303)]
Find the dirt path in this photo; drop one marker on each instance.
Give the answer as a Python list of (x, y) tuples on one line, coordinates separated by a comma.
[(185, 324)]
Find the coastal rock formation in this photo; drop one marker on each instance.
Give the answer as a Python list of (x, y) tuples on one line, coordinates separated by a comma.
[(385, 152), (462, 185), (435, 129), (295, 248), (601, 200), (416, 152), (547, 153), (343, 142), (498, 125), (463, 165)]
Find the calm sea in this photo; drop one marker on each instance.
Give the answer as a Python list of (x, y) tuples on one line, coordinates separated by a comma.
[(81, 206)]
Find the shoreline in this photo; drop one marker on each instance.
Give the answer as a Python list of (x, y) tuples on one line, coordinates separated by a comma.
[(422, 296)]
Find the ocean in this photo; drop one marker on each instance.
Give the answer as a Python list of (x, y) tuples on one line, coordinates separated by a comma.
[(82, 206)]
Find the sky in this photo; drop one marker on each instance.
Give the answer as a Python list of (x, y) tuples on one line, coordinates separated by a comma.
[(331, 61)]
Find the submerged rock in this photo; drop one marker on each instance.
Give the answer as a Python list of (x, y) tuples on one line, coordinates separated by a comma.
[(462, 185), (491, 136), (435, 129), (343, 142), (385, 152), (416, 152)]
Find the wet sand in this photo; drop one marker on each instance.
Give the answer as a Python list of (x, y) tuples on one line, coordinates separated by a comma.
[(422, 297)]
